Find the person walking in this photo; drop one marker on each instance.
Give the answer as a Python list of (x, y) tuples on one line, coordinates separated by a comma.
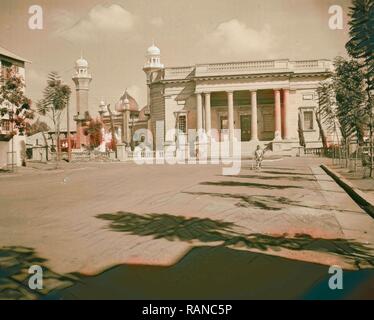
[(259, 156)]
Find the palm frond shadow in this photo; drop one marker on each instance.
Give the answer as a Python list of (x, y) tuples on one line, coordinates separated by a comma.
[(287, 173), (249, 184), (173, 228), (14, 265), (265, 202), (262, 177)]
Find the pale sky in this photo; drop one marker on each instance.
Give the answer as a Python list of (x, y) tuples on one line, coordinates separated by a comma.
[(114, 36)]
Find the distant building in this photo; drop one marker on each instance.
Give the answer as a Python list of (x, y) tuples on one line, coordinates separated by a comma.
[(11, 149), (128, 119), (270, 101)]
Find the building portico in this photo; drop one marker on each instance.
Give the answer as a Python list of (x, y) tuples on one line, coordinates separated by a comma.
[(261, 115)]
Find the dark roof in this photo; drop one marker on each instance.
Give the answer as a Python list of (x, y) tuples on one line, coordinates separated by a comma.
[(8, 54)]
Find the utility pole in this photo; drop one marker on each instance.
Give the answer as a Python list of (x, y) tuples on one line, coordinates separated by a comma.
[(11, 119), (114, 140), (12, 143), (68, 130)]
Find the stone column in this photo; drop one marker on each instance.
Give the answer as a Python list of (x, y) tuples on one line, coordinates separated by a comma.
[(254, 130), (230, 100), (208, 120), (286, 96), (127, 133), (78, 141), (199, 112), (277, 115)]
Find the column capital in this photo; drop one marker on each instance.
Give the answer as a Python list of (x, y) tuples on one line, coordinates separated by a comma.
[(277, 90), (230, 91), (253, 90), (207, 93)]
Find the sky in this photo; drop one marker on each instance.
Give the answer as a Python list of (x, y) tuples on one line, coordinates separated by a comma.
[(114, 36)]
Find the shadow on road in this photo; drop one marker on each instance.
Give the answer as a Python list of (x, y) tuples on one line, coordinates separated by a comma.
[(219, 273), (14, 265), (266, 202), (170, 227), (287, 173), (249, 184), (262, 177)]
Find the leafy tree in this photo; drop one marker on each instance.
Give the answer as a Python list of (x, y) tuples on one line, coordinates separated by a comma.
[(55, 99), (361, 44), (13, 102), (38, 126), (94, 132), (350, 98)]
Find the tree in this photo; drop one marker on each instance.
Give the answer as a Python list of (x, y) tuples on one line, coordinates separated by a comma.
[(349, 87), (13, 103), (113, 131), (361, 31), (37, 126), (325, 112), (55, 99), (361, 47), (94, 132), (300, 131)]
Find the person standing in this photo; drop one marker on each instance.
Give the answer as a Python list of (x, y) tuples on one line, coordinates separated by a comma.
[(259, 155)]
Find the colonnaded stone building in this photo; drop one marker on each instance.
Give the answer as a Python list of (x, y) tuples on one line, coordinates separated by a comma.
[(270, 101)]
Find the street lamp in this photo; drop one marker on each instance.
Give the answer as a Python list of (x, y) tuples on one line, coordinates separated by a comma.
[(125, 119), (11, 120), (102, 108)]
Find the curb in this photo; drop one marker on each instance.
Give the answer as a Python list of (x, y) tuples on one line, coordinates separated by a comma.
[(362, 199)]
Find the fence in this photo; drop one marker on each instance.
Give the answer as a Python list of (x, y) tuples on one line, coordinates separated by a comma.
[(356, 158), (85, 156)]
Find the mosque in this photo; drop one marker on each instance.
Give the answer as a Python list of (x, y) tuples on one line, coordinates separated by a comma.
[(126, 115)]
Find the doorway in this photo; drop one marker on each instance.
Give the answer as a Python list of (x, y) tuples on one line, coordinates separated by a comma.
[(245, 127)]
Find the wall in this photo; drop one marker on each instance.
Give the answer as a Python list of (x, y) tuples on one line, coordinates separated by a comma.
[(18, 148), (3, 153), (157, 109)]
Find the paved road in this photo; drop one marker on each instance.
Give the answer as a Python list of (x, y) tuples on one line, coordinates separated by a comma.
[(90, 217)]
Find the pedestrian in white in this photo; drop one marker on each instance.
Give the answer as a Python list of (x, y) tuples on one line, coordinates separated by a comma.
[(259, 155)]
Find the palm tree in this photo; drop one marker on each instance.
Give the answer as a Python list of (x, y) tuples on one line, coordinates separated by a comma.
[(349, 88), (361, 48), (325, 112), (55, 99), (361, 44)]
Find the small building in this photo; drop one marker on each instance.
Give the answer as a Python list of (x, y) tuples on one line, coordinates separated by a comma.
[(12, 148)]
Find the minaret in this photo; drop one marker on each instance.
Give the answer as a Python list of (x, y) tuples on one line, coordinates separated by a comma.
[(82, 80), (152, 65)]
